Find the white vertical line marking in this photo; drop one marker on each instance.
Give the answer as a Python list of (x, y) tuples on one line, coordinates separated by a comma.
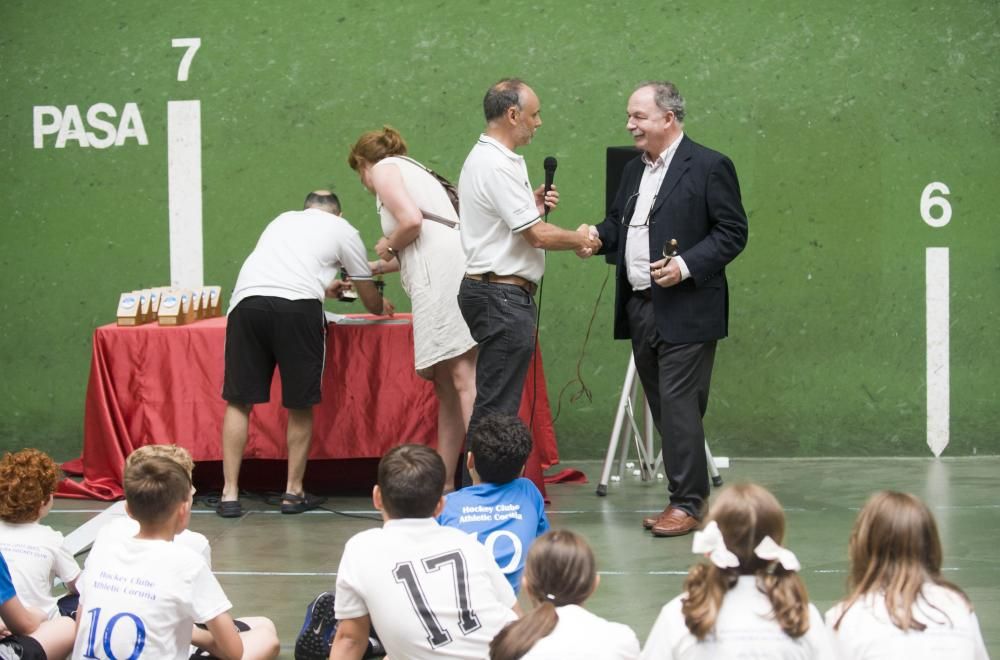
[(184, 193), (938, 367)]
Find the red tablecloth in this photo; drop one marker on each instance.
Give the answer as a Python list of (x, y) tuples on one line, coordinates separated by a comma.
[(153, 384)]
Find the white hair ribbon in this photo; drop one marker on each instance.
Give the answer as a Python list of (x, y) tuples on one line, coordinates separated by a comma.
[(709, 542), (769, 550)]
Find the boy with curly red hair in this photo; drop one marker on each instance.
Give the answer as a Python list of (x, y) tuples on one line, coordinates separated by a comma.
[(34, 552)]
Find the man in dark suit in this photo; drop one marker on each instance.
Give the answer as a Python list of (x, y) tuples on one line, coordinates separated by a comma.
[(672, 299)]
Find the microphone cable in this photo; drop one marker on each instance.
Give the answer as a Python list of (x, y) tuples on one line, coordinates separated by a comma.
[(534, 358), (584, 391)]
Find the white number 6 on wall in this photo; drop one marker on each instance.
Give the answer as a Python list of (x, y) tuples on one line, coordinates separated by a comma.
[(933, 197)]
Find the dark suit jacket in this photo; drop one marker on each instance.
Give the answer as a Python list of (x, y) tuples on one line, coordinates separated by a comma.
[(699, 205)]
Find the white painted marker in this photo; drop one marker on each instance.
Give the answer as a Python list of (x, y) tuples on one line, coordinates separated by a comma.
[(938, 367), (184, 193)]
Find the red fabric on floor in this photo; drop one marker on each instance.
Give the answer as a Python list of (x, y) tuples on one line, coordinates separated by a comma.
[(152, 384), (567, 476)]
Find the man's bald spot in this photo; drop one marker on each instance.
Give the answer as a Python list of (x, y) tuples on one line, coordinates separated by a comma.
[(502, 95), (324, 200)]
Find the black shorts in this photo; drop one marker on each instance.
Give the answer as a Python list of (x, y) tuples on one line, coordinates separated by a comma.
[(263, 331), (24, 647)]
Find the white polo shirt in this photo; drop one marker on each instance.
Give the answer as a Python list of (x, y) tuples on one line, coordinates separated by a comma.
[(431, 591), (744, 628), (496, 204), (298, 256), (583, 635), (143, 596), (867, 632), (35, 555), (125, 527)]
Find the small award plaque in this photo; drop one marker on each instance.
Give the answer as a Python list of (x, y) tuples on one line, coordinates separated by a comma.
[(128, 309), (215, 299), (170, 312)]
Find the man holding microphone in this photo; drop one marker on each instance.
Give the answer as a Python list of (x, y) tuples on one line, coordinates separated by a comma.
[(504, 238)]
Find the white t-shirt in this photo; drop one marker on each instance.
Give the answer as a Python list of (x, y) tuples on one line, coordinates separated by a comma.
[(124, 527), (412, 565), (496, 203), (35, 556), (867, 632), (745, 630), (582, 635), (298, 256), (144, 593)]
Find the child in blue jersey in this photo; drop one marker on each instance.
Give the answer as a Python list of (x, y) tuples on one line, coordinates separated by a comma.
[(504, 510), (27, 633)]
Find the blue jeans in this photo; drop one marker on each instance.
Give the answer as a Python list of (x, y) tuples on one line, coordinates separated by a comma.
[(501, 318)]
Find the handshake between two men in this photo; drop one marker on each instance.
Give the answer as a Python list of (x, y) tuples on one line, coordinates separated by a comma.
[(664, 272)]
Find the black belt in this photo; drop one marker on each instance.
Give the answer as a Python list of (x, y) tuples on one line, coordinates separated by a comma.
[(645, 294), (513, 280)]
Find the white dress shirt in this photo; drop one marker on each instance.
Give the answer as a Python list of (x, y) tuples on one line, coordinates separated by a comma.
[(637, 242)]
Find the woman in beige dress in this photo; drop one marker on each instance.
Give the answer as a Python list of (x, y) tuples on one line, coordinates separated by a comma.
[(428, 253)]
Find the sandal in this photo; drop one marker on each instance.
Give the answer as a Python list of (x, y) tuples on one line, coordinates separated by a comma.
[(300, 503), (230, 509)]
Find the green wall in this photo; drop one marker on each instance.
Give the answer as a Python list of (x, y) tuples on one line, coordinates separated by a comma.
[(837, 116)]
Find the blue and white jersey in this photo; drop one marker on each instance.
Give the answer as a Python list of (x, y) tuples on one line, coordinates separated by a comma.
[(506, 519)]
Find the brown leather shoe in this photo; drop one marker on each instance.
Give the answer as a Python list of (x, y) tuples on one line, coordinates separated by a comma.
[(647, 523), (674, 522)]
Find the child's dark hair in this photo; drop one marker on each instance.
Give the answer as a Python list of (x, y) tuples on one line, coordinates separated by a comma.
[(745, 514), (27, 479), (500, 444), (560, 570), (154, 487), (411, 480)]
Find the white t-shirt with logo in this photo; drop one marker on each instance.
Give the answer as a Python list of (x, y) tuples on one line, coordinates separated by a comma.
[(299, 255), (583, 635), (867, 632), (35, 556), (431, 591), (745, 629), (140, 598), (496, 204)]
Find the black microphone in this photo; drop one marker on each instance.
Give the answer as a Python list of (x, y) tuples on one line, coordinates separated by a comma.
[(550, 174)]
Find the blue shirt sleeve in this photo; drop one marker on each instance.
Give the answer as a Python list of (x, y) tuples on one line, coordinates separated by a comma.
[(6, 583), (543, 520)]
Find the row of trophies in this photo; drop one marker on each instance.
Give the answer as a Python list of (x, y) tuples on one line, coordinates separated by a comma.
[(169, 306)]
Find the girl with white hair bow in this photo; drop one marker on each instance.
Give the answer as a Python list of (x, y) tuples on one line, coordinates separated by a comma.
[(747, 600)]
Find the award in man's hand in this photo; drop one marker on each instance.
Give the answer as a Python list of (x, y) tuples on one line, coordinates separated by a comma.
[(670, 250)]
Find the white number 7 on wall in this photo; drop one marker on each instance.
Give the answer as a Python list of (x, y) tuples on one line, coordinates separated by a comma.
[(192, 44)]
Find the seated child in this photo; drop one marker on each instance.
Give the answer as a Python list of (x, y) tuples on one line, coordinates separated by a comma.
[(748, 600), (258, 634), (559, 576), (140, 597), (26, 633), (123, 527), (504, 510), (430, 591), (900, 606), (34, 552)]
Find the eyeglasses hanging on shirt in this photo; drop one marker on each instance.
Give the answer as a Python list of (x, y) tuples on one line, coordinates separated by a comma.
[(628, 219)]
